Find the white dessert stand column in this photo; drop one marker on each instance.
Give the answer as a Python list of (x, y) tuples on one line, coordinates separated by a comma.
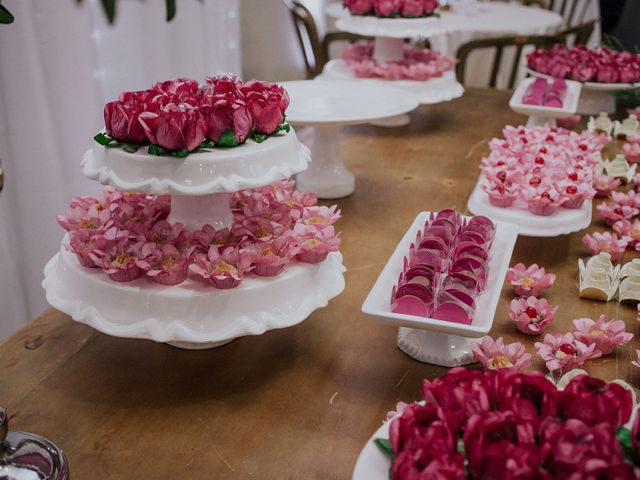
[(327, 105), (194, 212)]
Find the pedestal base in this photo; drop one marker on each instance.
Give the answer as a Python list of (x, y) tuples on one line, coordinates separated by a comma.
[(388, 49), (199, 346), (194, 212), (397, 121), (593, 102), (435, 348), (326, 176)]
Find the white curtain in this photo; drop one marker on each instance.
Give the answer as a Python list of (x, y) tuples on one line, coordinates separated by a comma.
[(59, 64)]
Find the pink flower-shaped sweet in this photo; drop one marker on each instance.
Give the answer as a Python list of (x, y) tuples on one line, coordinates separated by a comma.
[(604, 184), (499, 194), (175, 127), (84, 243), (208, 236), (604, 335), (529, 281), (614, 212), (563, 352), (605, 242), (632, 152), (320, 217), (636, 180), (629, 230), (314, 244), (495, 354), (400, 406), (359, 7), (222, 269), (575, 194), (636, 362), (267, 104), (542, 201), (227, 118), (532, 315), (628, 199), (163, 233), (568, 122), (270, 258), (118, 260), (165, 264)]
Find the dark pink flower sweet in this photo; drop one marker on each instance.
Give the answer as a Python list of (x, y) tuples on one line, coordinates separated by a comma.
[(83, 243), (220, 84), (359, 7), (563, 352), (415, 465), (494, 354), (532, 315), (606, 336), (412, 8), (419, 423), (183, 89), (594, 401), (529, 281), (531, 396), (226, 114), (208, 236), (386, 8), (635, 431), (174, 127), (430, 6), (267, 104), (569, 122), (122, 122)]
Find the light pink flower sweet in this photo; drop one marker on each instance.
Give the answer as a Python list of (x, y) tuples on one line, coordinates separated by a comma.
[(495, 354), (164, 264), (82, 243), (400, 406), (604, 335), (541, 201), (637, 361), (222, 268), (529, 281), (314, 244), (628, 230), (118, 260), (320, 216), (629, 199), (604, 184), (208, 236), (270, 258), (614, 212), (531, 315), (163, 233), (563, 352), (632, 152), (605, 242)]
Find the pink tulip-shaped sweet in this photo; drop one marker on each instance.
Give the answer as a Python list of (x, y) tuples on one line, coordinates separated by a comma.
[(359, 7), (183, 89), (494, 354), (604, 184), (529, 281), (629, 199), (562, 352), (412, 8), (605, 242), (227, 118), (606, 336), (386, 8), (267, 104), (220, 84), (122, 122), (531, 315), (175, 127)]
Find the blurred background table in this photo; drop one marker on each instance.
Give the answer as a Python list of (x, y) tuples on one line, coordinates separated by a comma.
[(293, 403)]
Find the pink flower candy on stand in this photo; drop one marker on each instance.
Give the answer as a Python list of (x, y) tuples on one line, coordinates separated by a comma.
[(494, 354), (119, 261), (529, 281), (122, 122), (270, 258), (604, 184), (605, 242), (532, 315), (315, 244), (386, 8), (568, 122), (542, 201), (227, 118), (359, 7), (222, 269), (267, 104), (175, 127), (604, 335), (562, 352), (614, 212), (412, 8), (629, 230), (164, 264), (628, 199), (632, 152)]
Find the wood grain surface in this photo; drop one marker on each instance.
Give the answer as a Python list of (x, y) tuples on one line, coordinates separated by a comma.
[(297, 403)]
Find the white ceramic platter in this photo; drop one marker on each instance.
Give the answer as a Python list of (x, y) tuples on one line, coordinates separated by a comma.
[(372, 463), (377, 305), (569, 106), (561, 222), (218, 170), (344, 102), (592, 85), (191, 314), (390, 27), (435, 90)]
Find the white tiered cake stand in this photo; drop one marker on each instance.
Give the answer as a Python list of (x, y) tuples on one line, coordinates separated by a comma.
[(192, 315), (326, 105), (389, 36)]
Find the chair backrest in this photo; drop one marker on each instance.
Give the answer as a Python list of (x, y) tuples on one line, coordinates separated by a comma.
[(308, 37), (573, 12), (577, 35), (499, 44)]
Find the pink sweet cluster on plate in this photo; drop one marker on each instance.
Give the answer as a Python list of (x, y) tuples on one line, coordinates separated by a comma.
[(502, 424), (541, 169), (392, 8), (446, 269), (545, 94), (420, 64), (180, 115), (127, 236), (585, 64)]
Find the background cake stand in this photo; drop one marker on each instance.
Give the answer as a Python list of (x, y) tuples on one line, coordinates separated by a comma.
[(326, 105), (192, 315), (437, 341), (596, 97)]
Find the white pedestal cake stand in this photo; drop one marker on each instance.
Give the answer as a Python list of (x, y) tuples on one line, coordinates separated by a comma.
[(437, 341), (327, 105), (192, 315), (596, 97)]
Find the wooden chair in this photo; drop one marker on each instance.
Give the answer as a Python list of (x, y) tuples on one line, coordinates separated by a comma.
[(577, 35), (566, 8), (315, 51), (499, 44)]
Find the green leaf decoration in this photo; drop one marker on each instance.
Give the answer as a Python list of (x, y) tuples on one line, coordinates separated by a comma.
[(182, 153), (156, 150), (109, 7), (460, 447), (103, 139), (624, 437), (171, 9), (130, 147), (227, 139), (259, 137), (384, 445), (5, 15), (207, 144)]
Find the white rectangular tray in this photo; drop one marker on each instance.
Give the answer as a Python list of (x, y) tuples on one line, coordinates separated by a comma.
[(569, 105), (377, 305)]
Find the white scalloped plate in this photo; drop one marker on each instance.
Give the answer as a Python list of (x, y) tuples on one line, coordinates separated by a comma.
[(435, 90), (390, 27), (610, 87), (190, 312), (250, 165)]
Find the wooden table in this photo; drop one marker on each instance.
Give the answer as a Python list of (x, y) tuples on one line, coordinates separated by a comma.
[(299, 402)]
